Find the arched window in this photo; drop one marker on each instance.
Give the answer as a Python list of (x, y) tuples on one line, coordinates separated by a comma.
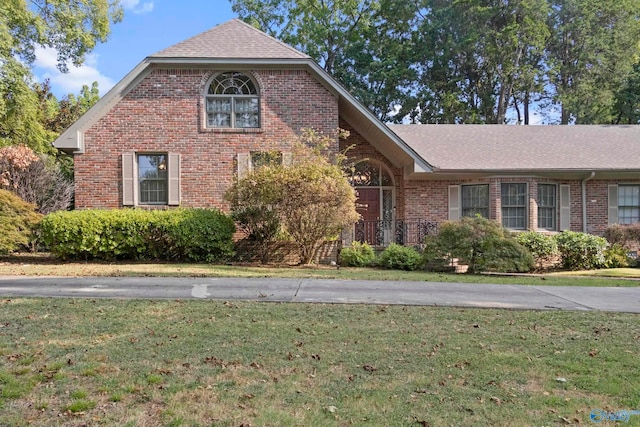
[(374, 185), (232, 101)]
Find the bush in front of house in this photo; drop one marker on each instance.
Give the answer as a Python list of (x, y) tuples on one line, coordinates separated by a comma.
[(617, 256), (542, 247), (622, 234), (480, 243), (581, 251), (177, 234), (18, 222), (506, 256), (357, 255), (400, 257)]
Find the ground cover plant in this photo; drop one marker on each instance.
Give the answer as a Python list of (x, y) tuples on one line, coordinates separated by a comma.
[(179, 363)]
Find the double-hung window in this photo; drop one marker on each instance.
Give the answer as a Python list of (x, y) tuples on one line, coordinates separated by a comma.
[(150, 179), (232, 101), (153, 180), (628, 204), (547, 206), (514, 205), (475, 200)]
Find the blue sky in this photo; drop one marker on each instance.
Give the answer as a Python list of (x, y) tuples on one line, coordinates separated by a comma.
[(148, 26)]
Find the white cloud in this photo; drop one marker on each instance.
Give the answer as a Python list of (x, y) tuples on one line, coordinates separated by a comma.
[(71, 82), (136, 7)]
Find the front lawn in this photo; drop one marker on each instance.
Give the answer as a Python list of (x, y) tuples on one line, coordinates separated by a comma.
[(208, 363)]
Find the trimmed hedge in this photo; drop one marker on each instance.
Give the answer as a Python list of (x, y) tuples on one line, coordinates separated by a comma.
[(177, 234), (581, 251)]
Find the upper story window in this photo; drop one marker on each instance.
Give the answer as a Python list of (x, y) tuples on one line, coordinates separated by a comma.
[(232, 101)]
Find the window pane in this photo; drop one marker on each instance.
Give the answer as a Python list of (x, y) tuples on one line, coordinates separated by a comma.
[(247, 120), (152, 178), (628, 204), (219, 120), (514, 205), (475, 200), (547, 206)]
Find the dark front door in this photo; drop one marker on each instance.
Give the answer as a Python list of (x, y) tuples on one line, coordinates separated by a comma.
[(368, 206)]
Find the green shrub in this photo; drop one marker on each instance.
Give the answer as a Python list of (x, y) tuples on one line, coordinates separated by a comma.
[(357, 255), (581, 251), (477, 242), (506, 255), (400, 258), (178, 234), (616, 256), (18, 222), (543, 248)]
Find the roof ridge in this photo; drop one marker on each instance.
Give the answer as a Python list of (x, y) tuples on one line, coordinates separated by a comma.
[(262, 33), (199, 44)]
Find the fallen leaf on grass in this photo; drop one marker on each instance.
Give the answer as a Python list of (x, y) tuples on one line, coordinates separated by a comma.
[(496, 400), (369, 368)]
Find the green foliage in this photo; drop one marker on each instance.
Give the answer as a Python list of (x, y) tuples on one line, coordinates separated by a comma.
[(542, 247), (506, 256), (178, 234), (581, 251), (72, 29), (484, 57), (478, 242), (311, 199), (18, 222), (616, 256), (400, 257), (357, 255)]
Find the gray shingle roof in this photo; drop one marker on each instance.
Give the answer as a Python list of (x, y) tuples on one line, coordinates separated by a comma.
[(509, 148), (232, 39)]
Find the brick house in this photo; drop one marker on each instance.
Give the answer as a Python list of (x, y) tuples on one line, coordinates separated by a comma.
[(180, 126)]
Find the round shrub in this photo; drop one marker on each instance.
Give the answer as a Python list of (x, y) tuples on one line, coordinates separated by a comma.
[(18, 222), (581, 251), (357, 255), (616, 256), (400, 258), (507, 256), (543, 248)]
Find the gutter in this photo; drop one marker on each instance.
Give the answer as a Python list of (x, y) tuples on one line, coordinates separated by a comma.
[(584, 200)]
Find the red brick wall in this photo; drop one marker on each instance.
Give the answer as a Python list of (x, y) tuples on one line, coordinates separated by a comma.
[(165, 113)]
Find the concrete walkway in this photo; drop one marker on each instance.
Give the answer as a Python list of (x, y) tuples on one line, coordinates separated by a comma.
[(329, 291)]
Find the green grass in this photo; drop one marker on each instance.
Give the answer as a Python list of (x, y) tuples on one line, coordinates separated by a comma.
[(41, 265), (212, 363)]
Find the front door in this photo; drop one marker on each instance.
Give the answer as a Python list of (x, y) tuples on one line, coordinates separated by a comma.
[(368, 206)]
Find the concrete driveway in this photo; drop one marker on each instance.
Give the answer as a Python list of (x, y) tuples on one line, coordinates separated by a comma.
[(328, 291)]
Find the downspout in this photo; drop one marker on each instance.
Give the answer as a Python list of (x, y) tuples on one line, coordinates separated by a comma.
[(584, 201)]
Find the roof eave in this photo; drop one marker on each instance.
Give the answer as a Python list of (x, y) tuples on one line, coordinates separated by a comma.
[(72, 139)]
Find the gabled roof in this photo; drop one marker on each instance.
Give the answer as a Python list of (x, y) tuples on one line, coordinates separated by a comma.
[(232, 39), (484, 148), (239, 45)]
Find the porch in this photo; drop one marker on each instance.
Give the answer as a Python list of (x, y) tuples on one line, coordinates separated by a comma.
[(381, 233)]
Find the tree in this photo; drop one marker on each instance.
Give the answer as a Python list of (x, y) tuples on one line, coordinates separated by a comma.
[(17, 222), (312, 199), (72, 28), (468, 61), (592, 50), (36, 179), (362, 43)]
